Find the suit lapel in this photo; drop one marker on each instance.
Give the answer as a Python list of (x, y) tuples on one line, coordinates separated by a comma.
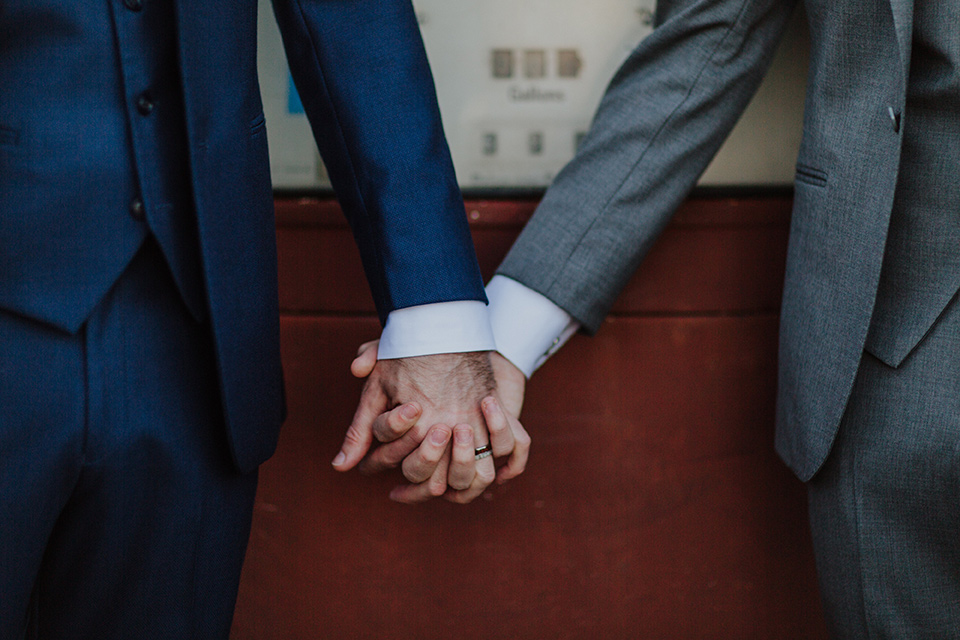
[(191, 69), (903, 24)]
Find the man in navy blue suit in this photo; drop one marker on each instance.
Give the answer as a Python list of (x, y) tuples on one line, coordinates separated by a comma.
[(140, 381)]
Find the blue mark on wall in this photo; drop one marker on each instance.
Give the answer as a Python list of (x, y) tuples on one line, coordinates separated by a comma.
[(293, 98)]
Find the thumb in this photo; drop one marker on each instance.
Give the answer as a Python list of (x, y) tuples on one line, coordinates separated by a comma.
[(359, 434), (366, 359)]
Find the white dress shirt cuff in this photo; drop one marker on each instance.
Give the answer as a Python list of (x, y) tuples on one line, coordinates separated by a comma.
[(442, 327), (528, 327)]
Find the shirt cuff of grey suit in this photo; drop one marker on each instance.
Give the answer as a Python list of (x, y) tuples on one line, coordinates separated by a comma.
[(522, 325)]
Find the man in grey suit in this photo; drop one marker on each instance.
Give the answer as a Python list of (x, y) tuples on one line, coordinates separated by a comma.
[(868, 408)]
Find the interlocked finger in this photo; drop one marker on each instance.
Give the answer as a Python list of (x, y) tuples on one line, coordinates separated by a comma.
[(391, 454), (499, 421), (435, 486), (463, 465), (420, 465), (501, 435), (393, 424), (485, 475)]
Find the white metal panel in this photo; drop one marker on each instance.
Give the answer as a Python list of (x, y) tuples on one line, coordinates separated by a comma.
[(518, 83)]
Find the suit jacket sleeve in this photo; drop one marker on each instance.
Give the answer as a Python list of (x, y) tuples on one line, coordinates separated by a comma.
[(363, 77), (665, 114)]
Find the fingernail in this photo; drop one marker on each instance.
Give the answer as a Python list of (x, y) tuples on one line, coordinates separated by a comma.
[(439, 436), (341, 457), (409, 411), (489, 403), (463, 436)]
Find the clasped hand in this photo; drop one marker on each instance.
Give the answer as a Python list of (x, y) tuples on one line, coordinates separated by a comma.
[(429, 415)]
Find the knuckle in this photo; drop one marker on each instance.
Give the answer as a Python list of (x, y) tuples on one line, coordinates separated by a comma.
[(381, 459), (433, 456), (411, 470), (502, 447), (459, 483), (486, 475), (392, 428), (502, 452), (391, 432), (379, 463), (370, 466), (436, 487), (418, 432), (430, 460), (391, 457), (380, 431), (353, 436), (430, 455), (397, 423), (463, 457), (414, 471), (496, 426)]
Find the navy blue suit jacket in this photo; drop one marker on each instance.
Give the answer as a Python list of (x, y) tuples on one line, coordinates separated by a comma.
[(66, 180)]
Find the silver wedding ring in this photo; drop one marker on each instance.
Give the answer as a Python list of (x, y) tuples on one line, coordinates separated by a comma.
[(483, 452)]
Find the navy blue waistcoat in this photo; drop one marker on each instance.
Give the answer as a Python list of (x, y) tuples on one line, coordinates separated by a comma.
[(118, 117)]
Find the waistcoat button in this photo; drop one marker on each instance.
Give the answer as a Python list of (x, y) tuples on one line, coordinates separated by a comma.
[(144, 104), (133, 5), (137, 209)]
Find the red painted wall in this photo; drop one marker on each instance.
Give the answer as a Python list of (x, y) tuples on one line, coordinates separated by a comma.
[(653, 505)]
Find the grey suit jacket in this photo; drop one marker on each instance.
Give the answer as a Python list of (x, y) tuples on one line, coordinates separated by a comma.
[(665, 114)]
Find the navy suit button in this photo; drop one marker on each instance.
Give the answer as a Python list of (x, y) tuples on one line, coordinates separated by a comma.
[(137, 209), (144, 104), (133, 5)]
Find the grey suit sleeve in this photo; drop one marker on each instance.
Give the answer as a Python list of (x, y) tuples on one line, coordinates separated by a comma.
[(663, 117)]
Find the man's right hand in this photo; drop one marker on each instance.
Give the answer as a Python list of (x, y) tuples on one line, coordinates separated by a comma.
[(511, 384)]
